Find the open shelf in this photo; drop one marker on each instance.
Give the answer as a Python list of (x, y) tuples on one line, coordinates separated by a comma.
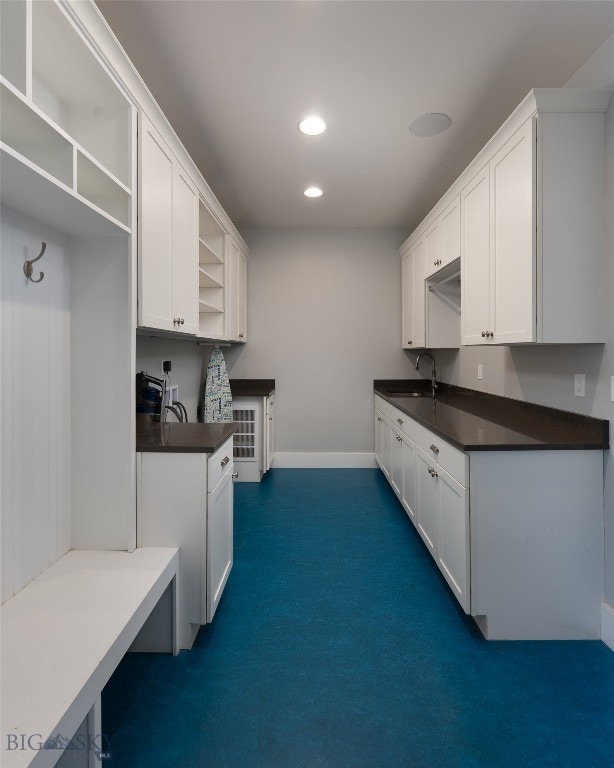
[(101, 190), (211, 276), (27, 189), (77, 93), (13, 49), (211, 249), (30, 135)]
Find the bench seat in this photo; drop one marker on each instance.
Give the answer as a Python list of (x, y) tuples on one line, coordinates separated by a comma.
[(64, 635)]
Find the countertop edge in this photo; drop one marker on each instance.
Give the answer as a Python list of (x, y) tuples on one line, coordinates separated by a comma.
[(380, 388)]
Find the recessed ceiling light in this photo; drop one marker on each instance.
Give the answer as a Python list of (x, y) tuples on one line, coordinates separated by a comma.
[(312, 126), (429, 125), (313, 192)]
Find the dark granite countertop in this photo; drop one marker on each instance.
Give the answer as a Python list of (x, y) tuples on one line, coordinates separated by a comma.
[(181, 437), (476, 421), (252, 387)]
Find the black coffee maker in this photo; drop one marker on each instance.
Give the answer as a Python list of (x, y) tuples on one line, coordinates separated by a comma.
[(149, 393)]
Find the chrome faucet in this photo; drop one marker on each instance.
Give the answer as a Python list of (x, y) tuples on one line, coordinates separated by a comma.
[(434, 385)]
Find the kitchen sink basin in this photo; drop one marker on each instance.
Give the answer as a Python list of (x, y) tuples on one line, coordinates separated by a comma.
[(410, 394)]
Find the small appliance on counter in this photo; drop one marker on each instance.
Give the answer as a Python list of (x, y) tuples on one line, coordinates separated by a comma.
[(151, 392)]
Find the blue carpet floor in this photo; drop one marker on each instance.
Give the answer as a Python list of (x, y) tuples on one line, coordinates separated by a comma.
[(338, 644)]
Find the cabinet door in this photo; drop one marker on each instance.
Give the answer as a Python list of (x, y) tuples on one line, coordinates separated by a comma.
[(185, 253), (270, 434), (450, 232), (379, 426), (512, 184), (396, 463), (432, 240), (237, 293), (408, 462), (407, 298), (386, 450), (453, 556), (427, 501), (418, 306), (475, 262), (155, 229), (219, 541)]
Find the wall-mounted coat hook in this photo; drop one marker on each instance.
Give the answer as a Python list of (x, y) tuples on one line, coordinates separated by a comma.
[(27, 266)]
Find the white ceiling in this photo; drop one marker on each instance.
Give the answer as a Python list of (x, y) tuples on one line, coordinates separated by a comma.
[(235, 77)]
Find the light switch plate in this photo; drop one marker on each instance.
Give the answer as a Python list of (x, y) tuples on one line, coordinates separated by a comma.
[(579, 384)]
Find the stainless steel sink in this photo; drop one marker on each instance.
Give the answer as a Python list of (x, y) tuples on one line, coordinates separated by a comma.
[(409, 394)]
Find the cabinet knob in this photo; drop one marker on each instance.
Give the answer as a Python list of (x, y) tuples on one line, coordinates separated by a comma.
[(400, 421), (379, 418), (399, 439), (410, 342), (181, 320), (491, 334), (434, 448), (433, 472), (240, 335), (235, 475), (484, 334)]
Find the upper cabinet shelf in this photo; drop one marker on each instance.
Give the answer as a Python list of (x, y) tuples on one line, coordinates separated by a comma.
[(65, 126)]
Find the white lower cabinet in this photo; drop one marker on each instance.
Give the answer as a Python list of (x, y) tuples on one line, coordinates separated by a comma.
[(185, 500), (430, 478), (517, 535), (219, 556)]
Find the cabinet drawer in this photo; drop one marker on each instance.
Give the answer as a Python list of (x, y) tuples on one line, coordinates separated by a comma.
[(455, 462), (219, 463)]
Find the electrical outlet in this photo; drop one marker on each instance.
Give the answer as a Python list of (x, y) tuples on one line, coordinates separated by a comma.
[(480, 372), (578, 384)]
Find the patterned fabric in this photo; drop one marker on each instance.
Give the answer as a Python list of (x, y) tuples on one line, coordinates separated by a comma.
[(217, 397)]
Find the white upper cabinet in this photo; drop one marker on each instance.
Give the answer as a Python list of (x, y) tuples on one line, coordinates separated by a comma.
[(413, 273), (168, 237), (475, 281), (527, 217), (238, 294), (499, 255), (450, 226)]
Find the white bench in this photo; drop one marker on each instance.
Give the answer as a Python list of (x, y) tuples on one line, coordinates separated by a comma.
[(62, 638)]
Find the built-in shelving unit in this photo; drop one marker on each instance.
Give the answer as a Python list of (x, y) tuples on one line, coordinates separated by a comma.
[(67, 143), (64, 125), (212, 275)]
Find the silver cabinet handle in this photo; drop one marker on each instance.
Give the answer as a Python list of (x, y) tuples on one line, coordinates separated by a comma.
[(224, 461), (432, 472), (182, 321), (240, 335), (410, 342), (379, 418), (434, 448), (400, 421), (399, 439), (484, 334), (235, 475)]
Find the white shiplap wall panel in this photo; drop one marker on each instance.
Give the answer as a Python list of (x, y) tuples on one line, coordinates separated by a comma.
[(35, 400)]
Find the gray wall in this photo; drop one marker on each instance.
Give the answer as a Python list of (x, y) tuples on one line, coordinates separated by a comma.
[(324, 321)]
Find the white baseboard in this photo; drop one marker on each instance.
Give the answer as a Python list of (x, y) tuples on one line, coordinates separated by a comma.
[(607, 625), (300, 460)]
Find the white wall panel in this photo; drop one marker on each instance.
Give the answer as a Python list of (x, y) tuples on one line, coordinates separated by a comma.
[(35, 414)]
